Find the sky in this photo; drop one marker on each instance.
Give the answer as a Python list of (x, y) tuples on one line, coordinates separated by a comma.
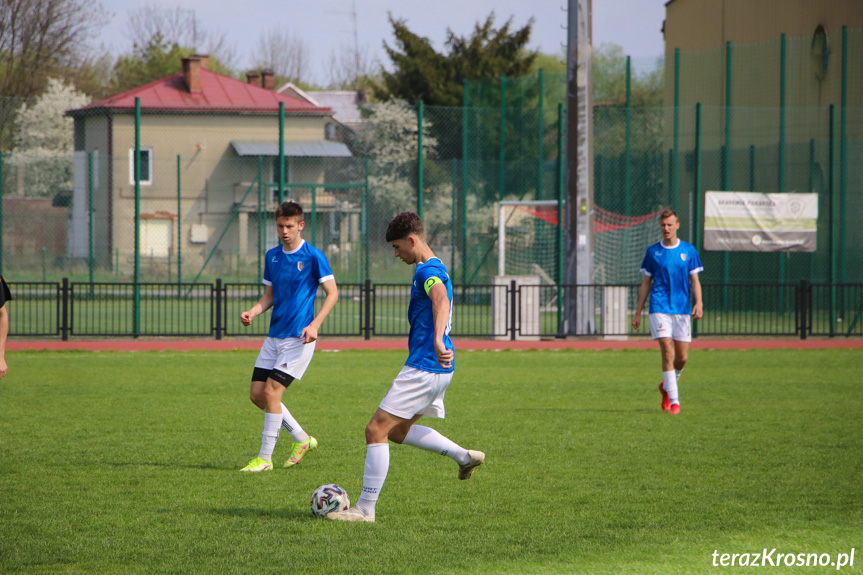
[(325, 25)]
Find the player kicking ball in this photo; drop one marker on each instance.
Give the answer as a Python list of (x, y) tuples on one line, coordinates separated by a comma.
[(419, 388), (293, 272), (670, 267)]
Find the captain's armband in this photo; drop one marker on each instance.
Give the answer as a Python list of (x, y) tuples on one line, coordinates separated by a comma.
[(430, 283)]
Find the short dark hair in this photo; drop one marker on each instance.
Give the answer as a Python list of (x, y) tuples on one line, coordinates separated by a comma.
[(667, 213), (290, 210), (405, 224)]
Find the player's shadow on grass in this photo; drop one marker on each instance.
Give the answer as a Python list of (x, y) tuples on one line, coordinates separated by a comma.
[(172, 464), (247, 512), (552, 410)]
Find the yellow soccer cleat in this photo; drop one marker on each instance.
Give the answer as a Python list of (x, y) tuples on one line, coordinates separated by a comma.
[(257, 464), (299, 451)]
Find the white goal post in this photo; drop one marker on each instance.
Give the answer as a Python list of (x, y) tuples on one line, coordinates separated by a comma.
[(501, 227)]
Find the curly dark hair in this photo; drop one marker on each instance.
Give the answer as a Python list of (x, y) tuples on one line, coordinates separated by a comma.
[(405, 224)]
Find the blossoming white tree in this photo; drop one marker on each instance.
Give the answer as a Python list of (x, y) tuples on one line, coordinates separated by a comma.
[(44, 140)]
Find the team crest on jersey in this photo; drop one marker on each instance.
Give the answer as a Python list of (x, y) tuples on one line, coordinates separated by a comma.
[(683, 257), (300, 266)]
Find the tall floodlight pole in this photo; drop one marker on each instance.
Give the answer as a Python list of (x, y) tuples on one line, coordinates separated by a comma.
[(579, 175)]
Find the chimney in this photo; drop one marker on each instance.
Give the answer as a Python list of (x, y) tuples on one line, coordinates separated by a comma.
[(205, 60), (192, 74), (268, 79), (364, 95), (253, 78)]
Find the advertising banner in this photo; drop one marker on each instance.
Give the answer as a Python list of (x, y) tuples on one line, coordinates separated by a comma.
[(753, 222)]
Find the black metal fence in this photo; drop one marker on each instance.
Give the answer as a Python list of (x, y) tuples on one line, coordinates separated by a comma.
[(511, 311)]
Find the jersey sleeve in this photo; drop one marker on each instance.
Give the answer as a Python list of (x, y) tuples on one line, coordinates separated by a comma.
[(426, 276), (695, 262), (322, 267), (646, 267), (267, 280)]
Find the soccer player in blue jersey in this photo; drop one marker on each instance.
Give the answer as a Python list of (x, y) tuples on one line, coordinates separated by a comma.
[(293, 272), (670, 269), (419, 388)]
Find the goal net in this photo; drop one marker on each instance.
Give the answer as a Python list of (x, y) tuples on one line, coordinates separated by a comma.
[(619, 244), (527, 242), (527, 239)]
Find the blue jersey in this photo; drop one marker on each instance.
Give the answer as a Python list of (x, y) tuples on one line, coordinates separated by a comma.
[(670, 269), (294, 277), (421, 353)]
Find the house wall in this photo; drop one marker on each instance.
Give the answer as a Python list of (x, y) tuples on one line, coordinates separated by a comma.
[(700, 29), (212, 177), (32, 226)]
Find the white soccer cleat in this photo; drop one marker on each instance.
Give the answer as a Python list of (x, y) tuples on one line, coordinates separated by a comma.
[(476, 459), (354, 515)]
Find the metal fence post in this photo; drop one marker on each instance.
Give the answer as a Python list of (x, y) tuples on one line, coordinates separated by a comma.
[(420, 183), (512, 316), (136, 312), (64, 310), (281, 152), (803, 294), (675, 159), (218, 320), (367, 304), (179, 228), (501, 191), (90, 239)]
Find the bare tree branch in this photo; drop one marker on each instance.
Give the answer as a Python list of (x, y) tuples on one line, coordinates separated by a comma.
[(350, 68), (39, 37), (284, 54)]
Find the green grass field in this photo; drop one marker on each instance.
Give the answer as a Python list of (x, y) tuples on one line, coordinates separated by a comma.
[(118, 462)]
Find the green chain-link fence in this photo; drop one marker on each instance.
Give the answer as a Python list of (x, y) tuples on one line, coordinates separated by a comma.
[(210, 178)]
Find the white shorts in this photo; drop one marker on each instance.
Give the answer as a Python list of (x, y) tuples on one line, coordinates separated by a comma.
[(289, 355), (677, 327), (414, 392)]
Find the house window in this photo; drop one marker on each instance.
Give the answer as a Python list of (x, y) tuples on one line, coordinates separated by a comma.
[(146, 166)]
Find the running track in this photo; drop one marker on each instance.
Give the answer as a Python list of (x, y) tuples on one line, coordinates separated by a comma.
[(401, 344)]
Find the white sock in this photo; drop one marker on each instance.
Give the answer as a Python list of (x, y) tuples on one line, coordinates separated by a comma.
[(374, 475), (291, 426), (669, 383), (677, 373), (430, 440), (272, 421)]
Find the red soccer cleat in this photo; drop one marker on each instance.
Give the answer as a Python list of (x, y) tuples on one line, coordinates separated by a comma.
[(666, 403), (675, 409)]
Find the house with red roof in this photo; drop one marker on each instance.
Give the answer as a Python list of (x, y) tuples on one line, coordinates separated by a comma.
[(209, 161)]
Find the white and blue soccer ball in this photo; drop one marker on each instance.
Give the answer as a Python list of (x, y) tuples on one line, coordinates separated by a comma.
[(329, 498)]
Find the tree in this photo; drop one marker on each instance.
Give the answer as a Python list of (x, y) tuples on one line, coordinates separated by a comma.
[(423, 74), (38, 38), (179, 26), (550, 63), (353, 69), (45, 140), (609, 79), (152, 61), (156, 60), (286, 55)]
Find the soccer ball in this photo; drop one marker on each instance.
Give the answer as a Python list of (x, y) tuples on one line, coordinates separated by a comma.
[(329, 498)]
